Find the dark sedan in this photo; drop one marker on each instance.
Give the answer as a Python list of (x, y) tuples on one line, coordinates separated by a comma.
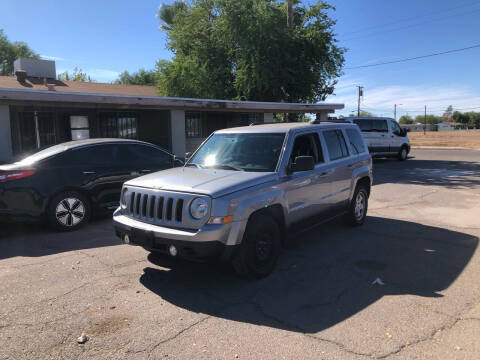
[(67, 183)]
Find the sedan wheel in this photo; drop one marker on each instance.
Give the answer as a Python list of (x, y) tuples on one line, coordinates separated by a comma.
[(70, 212)]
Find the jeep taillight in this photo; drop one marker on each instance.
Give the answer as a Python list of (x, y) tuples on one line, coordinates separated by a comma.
[(15, 175)]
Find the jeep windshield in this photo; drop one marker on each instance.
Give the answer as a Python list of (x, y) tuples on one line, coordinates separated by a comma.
[(241, 152)]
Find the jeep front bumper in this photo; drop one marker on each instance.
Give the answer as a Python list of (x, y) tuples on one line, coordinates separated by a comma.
[(210, 241)]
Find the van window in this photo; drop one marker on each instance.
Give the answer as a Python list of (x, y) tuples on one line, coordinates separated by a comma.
[(307, 145), (364, 125), (356, 141), (380, 126), (395, 128), (337, 148)]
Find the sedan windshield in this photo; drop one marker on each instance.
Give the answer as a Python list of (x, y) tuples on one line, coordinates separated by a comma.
[(241, 152)]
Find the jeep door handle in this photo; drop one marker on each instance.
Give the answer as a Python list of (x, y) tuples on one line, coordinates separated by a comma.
[(350, 165), (89, 172), (324, 173)]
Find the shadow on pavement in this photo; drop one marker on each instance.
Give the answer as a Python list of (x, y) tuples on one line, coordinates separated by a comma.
[(32, 240), (447, 173), (325, 278)]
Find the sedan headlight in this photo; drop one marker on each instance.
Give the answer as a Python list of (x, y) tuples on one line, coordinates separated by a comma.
[(199, 208)]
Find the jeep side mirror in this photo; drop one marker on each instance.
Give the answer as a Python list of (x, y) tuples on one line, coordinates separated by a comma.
[(303, 163), (188, 155)]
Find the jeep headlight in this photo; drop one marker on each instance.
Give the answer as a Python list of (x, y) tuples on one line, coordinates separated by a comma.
[(199, 208)]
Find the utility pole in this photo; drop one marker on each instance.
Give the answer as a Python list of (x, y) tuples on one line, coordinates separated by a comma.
[(395, 111), (289, 4), (360, 94), (425, 126)]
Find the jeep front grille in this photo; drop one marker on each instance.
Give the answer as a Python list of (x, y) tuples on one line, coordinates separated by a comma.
[(162, 208)]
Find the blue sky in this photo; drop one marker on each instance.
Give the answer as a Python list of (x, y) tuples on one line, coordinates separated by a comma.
[(106, 37)]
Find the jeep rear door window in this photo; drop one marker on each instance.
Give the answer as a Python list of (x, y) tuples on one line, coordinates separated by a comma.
[(242, 151), (307, 145), (337, 148), (356, 141)]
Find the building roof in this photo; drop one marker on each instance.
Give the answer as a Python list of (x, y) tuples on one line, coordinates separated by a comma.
[(135, 96), (32, 83)]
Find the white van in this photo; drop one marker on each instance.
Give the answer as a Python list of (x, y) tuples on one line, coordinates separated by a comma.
[(384, 137)]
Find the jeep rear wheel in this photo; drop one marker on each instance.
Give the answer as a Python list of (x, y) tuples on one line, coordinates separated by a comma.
[(357, 211), (260, 248)]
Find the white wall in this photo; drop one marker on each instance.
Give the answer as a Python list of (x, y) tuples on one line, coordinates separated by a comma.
[(5, 135), (268, 117), (177, 132)]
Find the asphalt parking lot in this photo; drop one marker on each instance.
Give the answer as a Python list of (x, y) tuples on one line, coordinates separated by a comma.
[(420, 239)]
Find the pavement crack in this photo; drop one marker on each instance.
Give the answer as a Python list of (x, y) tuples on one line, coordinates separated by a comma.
[(178, 333)]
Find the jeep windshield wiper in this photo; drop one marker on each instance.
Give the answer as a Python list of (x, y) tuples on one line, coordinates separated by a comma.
[(226, 167), (196, 165)]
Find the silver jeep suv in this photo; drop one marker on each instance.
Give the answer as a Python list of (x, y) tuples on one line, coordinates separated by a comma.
[(243, 188)]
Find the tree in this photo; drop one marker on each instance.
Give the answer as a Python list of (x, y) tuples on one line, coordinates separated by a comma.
[(406, 119), (230, 49), (362, 113), (77, 75), (473, 119), (431, 119), (10, 51), (460, 118), (447, 115), (141, 77)]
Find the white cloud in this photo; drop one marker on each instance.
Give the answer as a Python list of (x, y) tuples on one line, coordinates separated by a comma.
[(54, 58), (380, 100)]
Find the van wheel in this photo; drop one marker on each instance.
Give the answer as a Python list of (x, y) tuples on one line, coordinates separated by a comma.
[(357, 211), (403, 154), (68, 211), (260, 248)]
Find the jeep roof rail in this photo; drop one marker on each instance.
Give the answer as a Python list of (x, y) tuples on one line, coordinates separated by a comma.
[(342, 121)]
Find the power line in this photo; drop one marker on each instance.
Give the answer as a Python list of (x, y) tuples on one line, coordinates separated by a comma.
[(380, 32), (411, 18), (413, 58)]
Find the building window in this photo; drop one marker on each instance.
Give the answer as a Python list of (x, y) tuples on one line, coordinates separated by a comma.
[(193, 125), (37, 130), (118, 125)]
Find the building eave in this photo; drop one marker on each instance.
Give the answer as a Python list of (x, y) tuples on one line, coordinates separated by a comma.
[(8, 94)]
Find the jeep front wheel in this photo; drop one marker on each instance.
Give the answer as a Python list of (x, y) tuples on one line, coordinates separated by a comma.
[(260, 248)]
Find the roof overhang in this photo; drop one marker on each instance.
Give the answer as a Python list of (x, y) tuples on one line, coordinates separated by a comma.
[(158, 102)]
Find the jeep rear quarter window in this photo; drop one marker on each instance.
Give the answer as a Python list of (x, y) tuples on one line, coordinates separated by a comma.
[(337, 148), (356, 142)]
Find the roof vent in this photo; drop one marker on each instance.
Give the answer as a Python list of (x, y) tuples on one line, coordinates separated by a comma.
[(21, 75), (36, 68)]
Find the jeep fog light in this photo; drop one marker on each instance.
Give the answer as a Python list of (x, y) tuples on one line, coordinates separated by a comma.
[(221, 220), (172, 250)]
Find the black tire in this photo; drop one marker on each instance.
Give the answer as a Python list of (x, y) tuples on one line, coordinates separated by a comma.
[(357, 212), (403, 153), (68, 211), (260, 248)]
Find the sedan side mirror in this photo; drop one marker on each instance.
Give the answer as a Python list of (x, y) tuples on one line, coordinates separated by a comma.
[(303, 163)]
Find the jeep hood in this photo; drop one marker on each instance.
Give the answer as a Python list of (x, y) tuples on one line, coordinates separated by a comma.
[(212, 182)]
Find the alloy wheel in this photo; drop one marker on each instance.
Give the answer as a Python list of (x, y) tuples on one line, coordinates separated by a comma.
[(360, 204), (70, 212)]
